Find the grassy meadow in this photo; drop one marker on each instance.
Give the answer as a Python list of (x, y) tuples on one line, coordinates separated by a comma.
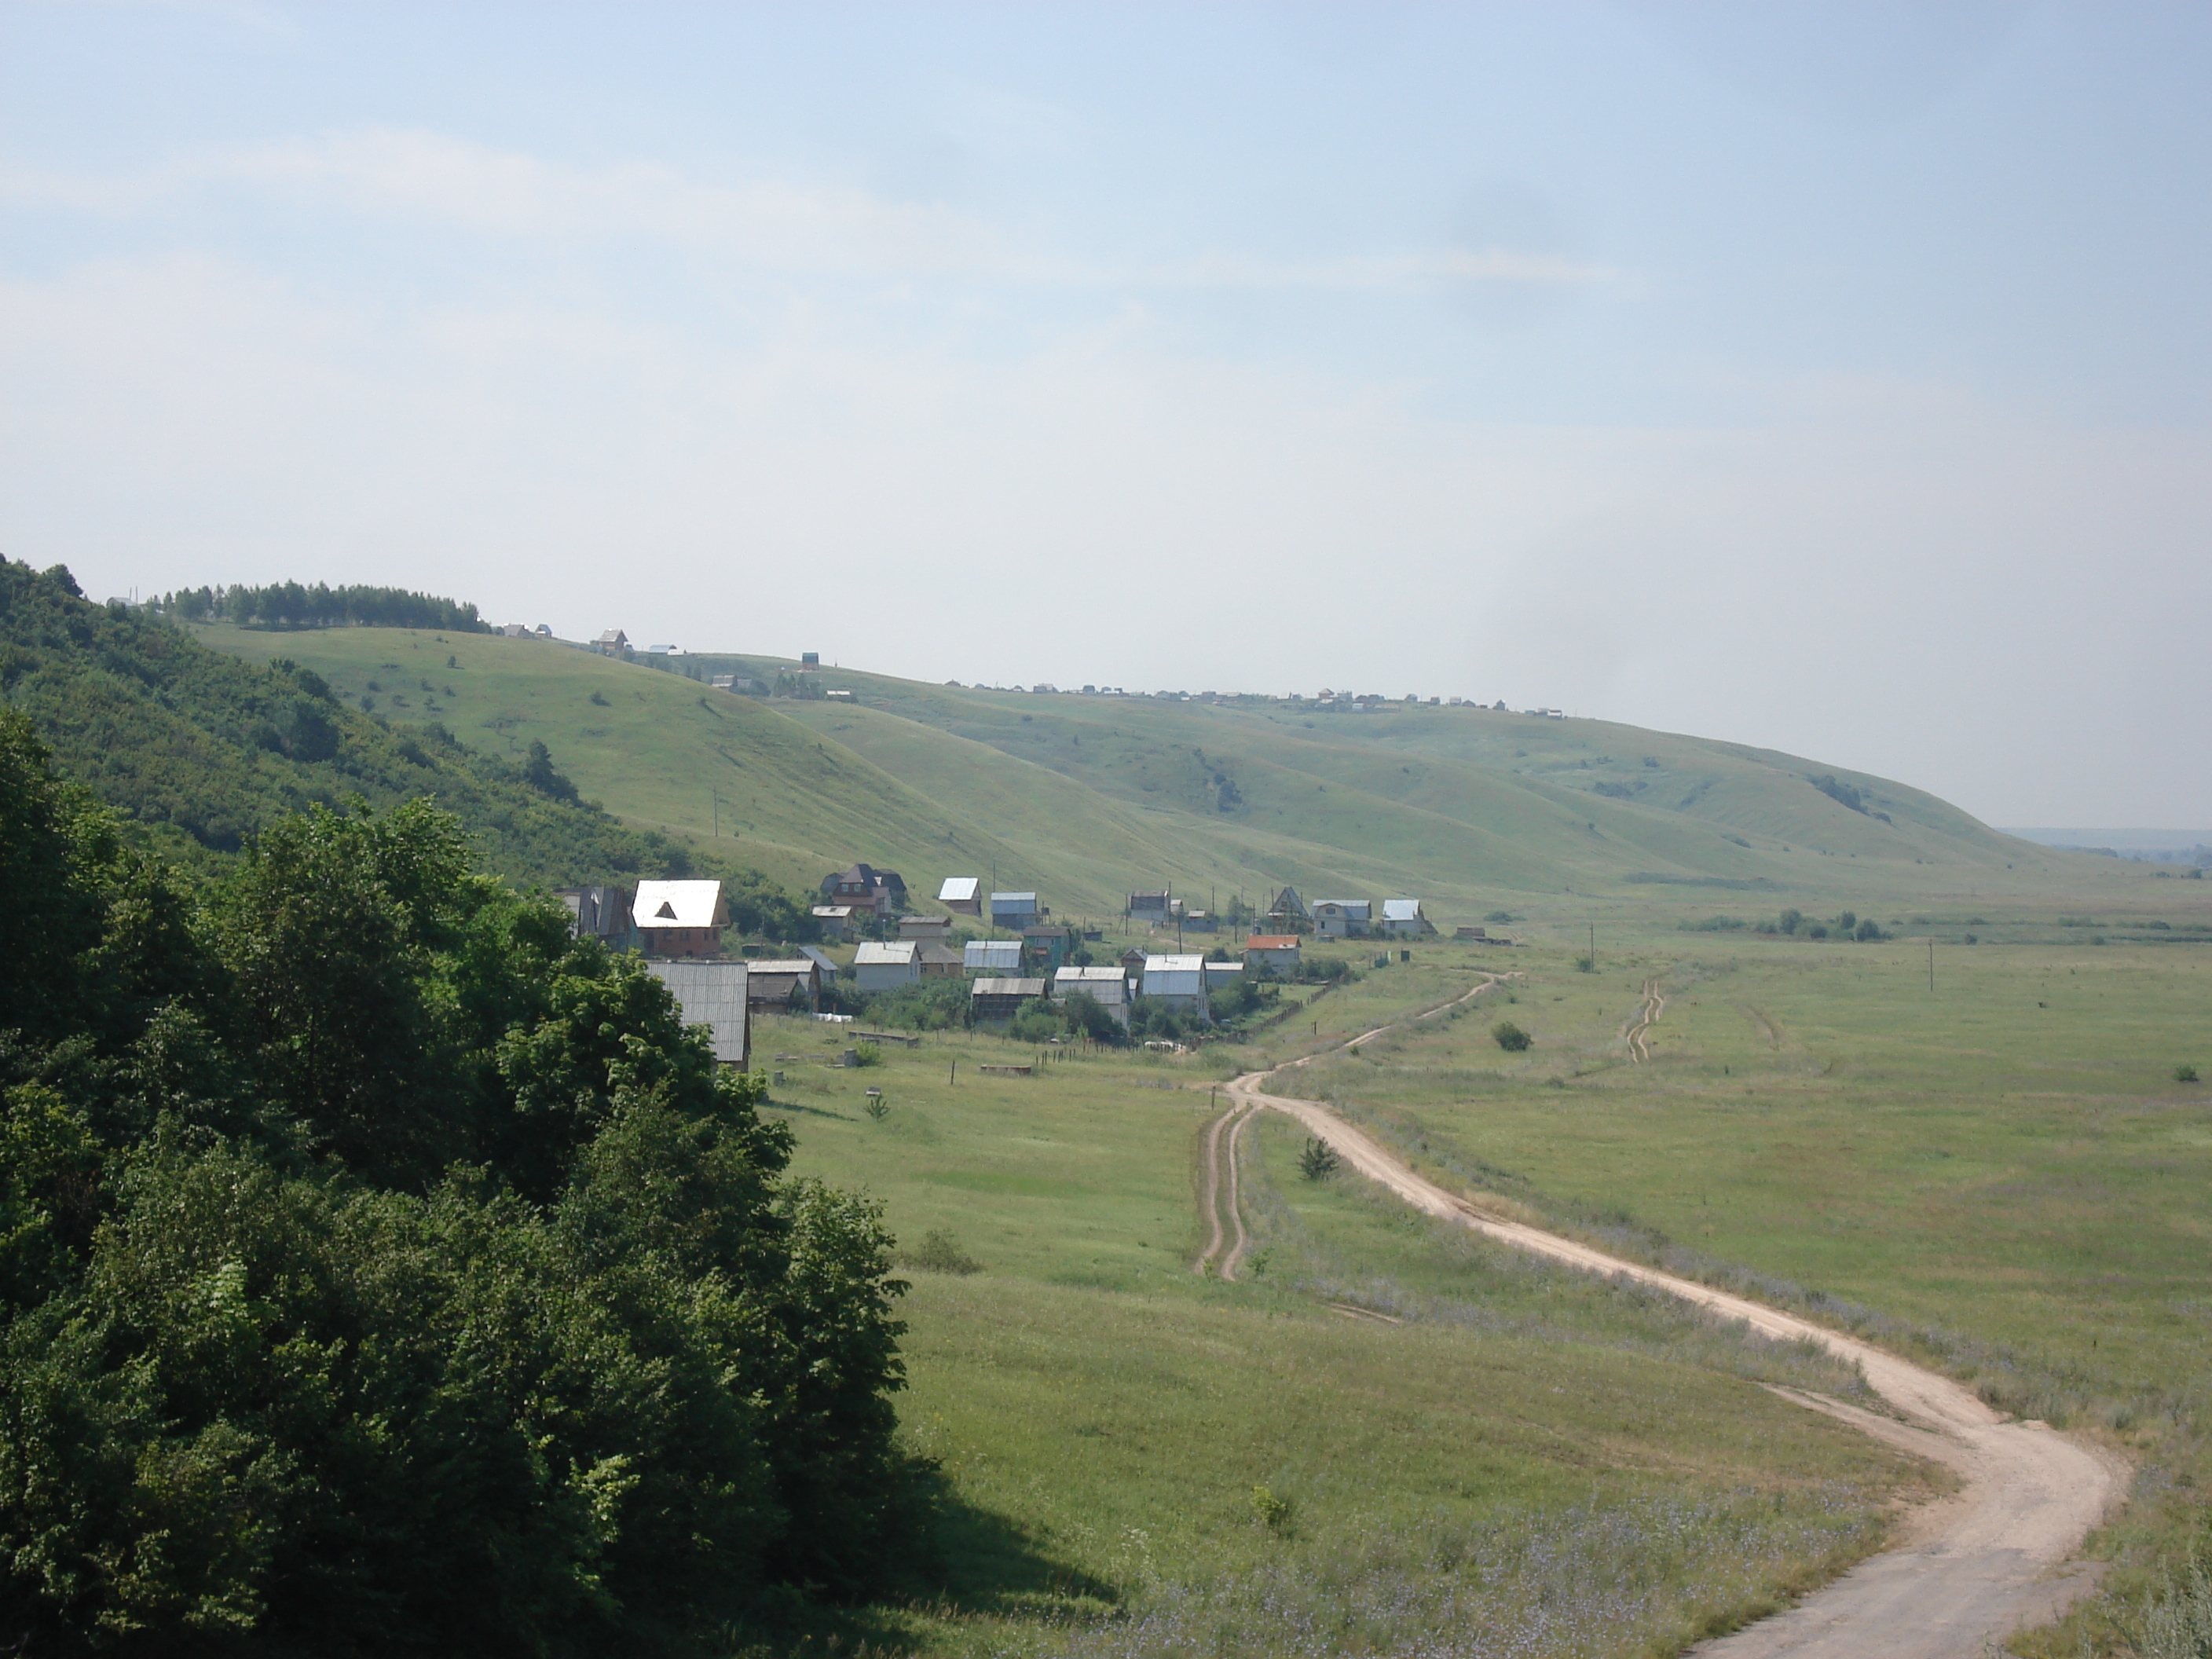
[(2004, 1173), (1531, 1461)]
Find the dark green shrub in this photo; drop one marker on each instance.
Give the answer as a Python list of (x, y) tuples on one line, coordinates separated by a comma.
[(1511, 1037), (1317, 1160)]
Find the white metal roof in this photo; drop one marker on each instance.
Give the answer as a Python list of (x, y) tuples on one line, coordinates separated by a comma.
[(896, 953), (958, 890), (784, 965), (676, 904), (1402, 909), (1093, 972), (1007, 988), (1178, 964), (1013, 899), (993, 953)]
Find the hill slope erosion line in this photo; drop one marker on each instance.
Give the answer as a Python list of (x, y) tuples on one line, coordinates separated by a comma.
[(1994, 1558)]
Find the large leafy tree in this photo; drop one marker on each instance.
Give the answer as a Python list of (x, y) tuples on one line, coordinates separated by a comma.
[(383, 1270)]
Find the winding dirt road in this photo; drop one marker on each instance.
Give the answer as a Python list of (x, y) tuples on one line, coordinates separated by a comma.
[(1992, 1559)]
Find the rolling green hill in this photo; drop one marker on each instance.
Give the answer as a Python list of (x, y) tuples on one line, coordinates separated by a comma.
[(1085, 798), (201, 751)]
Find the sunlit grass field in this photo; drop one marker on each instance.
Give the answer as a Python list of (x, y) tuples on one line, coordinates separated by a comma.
[(1600, 1476), (2004, 1171)]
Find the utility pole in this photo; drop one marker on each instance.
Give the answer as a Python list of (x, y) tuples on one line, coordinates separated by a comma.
[(1592, 927), (1931, 964)]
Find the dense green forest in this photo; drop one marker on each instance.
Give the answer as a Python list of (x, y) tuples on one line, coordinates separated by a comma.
[(383, 1270), (202, 752)]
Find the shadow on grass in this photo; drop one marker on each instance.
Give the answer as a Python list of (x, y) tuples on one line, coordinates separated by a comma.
[(965, 1563), (809, 1111)]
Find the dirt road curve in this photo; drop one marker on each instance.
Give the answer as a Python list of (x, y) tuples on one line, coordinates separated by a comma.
[(1989, 1560)]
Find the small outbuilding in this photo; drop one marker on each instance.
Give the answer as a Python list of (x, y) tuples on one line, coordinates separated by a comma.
[(930, 930), (836, 921), (962, 895)]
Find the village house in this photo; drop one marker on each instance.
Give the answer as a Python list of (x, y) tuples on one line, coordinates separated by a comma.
[(886, 965), (613, 640), (1149, 909), (962, 895), (1221, 976), (1272, 956), (1402, 919), (992, 956), (1108, 986), (866, 888), (1047, 945), (1200, 921), (680, 918), (1343, 918), (1001, 998), (929, 930), (1015, 911), (1177, 982), (1133, 961), (784, 984), (938, 962), (599, 913), (1288, 912), (836, 921), (713, 995)]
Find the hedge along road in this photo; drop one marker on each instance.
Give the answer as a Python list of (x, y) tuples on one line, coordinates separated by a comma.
[(1995, 1557)]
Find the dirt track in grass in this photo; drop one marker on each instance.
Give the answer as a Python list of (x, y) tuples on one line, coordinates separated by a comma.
[(1995, 1557)]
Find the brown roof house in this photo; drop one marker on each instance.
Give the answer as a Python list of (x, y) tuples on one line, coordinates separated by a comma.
[(680, 918), (866, 888), (1272, 955)]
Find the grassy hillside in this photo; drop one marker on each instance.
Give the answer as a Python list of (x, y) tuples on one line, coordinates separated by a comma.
[(201, 750), (1085, 798)]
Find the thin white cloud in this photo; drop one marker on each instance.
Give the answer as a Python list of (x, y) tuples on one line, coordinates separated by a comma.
[(811, 228)]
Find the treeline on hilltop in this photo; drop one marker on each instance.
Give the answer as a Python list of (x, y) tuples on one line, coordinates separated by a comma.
[(289, 605), (383, 1270), (202, 751)]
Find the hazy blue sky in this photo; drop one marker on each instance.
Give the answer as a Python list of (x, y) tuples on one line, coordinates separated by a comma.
[(1835, 377)]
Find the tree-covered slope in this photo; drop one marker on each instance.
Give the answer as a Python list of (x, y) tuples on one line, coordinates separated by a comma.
[(205, 750)]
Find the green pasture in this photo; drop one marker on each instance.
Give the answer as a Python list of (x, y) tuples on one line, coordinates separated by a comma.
[(1086, 799), (2003, 1173), (1102, 1415)]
